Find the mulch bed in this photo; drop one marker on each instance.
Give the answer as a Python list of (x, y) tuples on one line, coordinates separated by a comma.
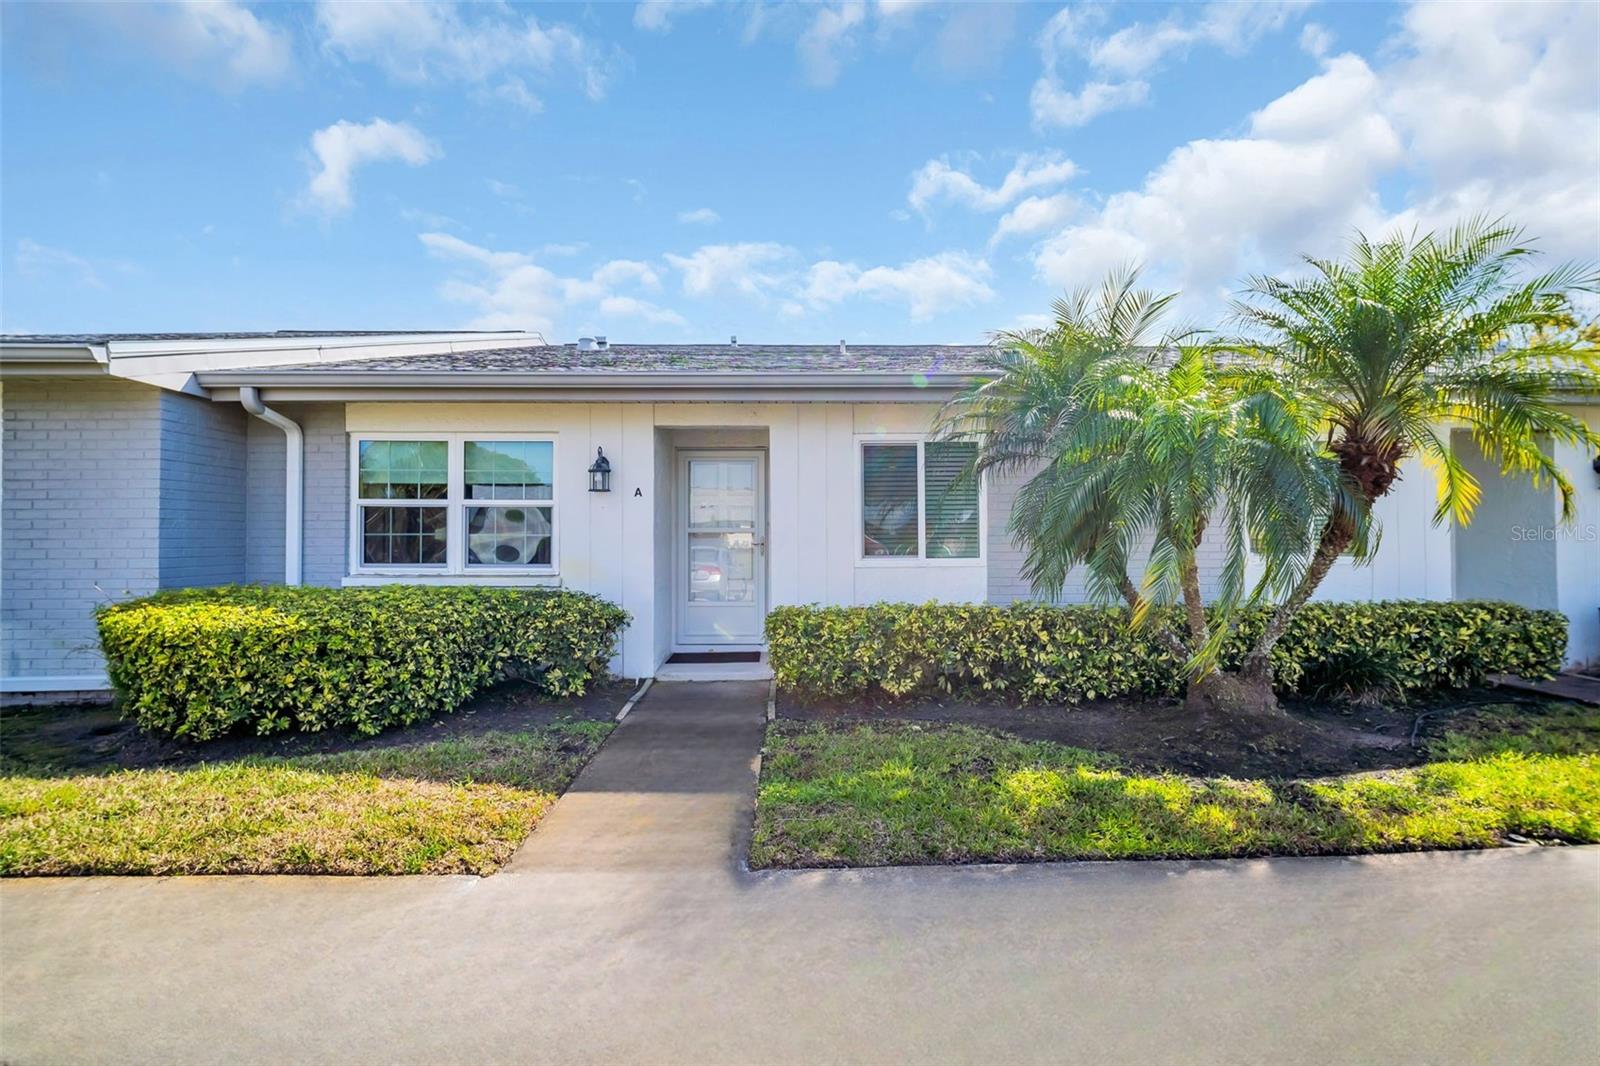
[(92, 736), (1311, 740)]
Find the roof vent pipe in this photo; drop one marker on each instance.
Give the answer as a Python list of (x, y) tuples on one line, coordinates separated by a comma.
[(600, 342), (842, 349), (585, 344), (293, 477), (734, 340)]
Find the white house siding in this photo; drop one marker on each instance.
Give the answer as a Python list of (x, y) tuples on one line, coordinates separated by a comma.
[(618, 545), (1006, 583)]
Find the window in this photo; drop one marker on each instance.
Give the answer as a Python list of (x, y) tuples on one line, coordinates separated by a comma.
[(915, 503), (455, 504)]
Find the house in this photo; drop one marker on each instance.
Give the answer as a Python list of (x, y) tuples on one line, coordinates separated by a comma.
[(740, 477)]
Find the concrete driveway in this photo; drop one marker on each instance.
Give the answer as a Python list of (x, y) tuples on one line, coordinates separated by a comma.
[(625, 931)]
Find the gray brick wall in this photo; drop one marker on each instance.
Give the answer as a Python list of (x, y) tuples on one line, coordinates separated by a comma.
[(326, 503), (263, 503), (79, 515), (202, 491), (1006, 583)]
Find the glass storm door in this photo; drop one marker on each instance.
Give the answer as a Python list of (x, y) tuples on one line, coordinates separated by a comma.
[(722, 553)]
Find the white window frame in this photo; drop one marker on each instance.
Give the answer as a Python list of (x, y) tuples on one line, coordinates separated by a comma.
[(921, 558), (455, 504)]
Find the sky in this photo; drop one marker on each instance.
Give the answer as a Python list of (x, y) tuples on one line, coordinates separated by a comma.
[(883, 172)]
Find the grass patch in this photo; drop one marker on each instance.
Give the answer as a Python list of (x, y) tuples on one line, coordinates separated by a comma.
[(895, 793), (460, 805)]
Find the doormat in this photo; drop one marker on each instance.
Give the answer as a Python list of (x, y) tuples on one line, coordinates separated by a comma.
[(715, 657)]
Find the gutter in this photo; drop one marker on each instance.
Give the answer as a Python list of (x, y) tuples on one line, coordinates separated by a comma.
[(466, 379), (294, 478)]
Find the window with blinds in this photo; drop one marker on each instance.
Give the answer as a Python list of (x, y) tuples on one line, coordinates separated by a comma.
[(889, 499), (916, 503), (950, 501)]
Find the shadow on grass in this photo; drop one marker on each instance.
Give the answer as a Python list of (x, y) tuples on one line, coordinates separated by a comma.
[(891, 793)]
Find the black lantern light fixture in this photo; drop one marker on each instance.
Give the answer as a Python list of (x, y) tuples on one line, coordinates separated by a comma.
[(600, 472)]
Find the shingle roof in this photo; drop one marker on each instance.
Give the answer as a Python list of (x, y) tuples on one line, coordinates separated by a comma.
[(109, 338), (689, 358)]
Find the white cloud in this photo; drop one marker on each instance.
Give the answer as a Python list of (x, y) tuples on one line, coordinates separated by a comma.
[(418, 42), (1313, 164), (217, 41), (631, 307), (1054, 105), (1035, 215), (1316, 40), (41, 260), (448, 246), (1233, 27), (1304, 174), (503, 189), (509, 290), (746, 268), (345, 145), (831, 34), (1121, 60), (938, 180), (657, 15), (514, 91), (927, 286), (627, 271), (701, 216)]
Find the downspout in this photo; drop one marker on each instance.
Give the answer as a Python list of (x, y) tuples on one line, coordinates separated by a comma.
[(293, 477)]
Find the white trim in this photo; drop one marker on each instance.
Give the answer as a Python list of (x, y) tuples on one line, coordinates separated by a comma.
[(680, 547), (921, 558), (373, 579), (456, 569), (57, 683)]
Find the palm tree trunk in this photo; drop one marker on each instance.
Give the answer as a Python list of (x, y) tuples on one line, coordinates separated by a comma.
[(1337, 535)]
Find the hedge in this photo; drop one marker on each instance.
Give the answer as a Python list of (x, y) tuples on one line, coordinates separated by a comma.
[(199, 663), (1039, 653)]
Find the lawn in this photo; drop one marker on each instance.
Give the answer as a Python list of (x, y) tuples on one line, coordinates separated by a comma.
[(460, 804), (871, 793)]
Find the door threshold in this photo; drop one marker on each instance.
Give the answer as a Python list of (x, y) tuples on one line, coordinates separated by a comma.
[(680, 657), (715, 671)]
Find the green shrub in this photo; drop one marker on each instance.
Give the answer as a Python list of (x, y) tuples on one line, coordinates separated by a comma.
[(1039, 653), (198, 663)]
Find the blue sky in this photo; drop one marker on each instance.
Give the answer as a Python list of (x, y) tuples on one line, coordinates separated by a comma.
[(882, 172)]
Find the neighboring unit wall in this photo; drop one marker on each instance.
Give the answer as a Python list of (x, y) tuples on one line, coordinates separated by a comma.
[(1578, 550), (1508, 550), (202, 492), (326, 502), (81, 521)]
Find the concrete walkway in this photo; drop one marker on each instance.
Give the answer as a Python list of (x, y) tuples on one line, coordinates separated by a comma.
[(652, 945)]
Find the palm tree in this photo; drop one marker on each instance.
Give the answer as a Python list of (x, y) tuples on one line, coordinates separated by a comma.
[(1407, 336), (1134, 441)]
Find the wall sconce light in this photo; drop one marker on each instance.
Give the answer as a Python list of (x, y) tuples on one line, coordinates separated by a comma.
[(600, 472)]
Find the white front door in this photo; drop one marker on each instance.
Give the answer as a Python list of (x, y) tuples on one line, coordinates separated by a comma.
[(721, 586)]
